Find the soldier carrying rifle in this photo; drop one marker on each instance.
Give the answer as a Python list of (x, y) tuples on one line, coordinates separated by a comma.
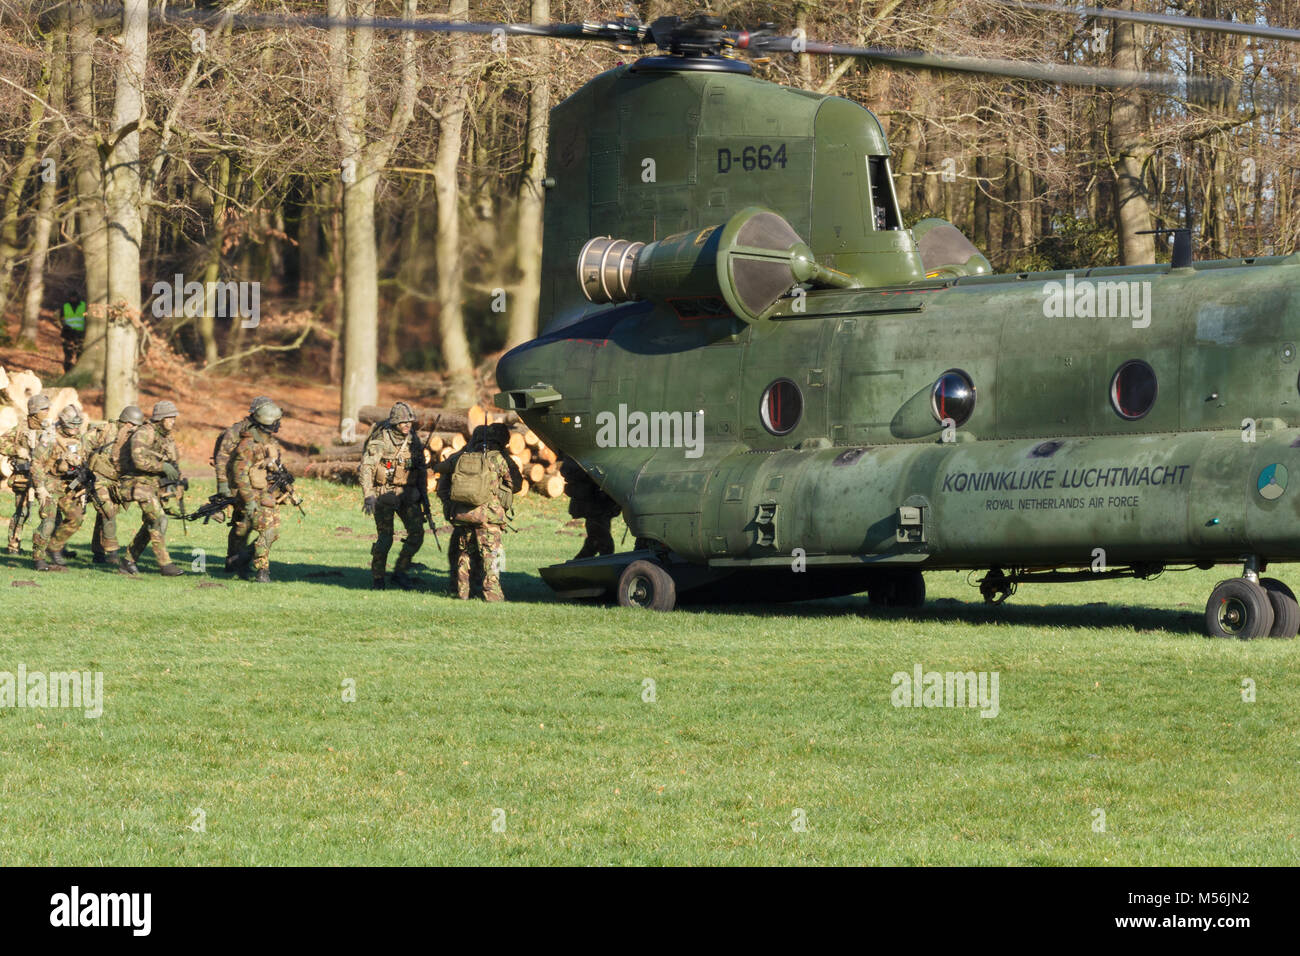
[(19, 445), (60, 481)]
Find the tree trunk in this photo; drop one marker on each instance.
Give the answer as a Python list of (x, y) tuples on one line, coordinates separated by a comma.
[(1130, 152), (523, 314), (91, 226), (461, 389), (10, 249), (27, 336), (122, 198)]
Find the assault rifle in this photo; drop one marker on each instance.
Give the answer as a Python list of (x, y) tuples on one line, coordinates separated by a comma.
[(214, 510), (82, 480), (281, 485), (424, 485)]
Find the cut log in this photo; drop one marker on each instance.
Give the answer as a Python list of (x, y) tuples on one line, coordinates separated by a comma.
[(446, 453), (457, 443), (4, 379), (531, 439), (520, 462), (22, 386), (9, 418), (517, 445), (447, 419), (523, 489), (545, 454), (476, 416), (536, 472), (553, 486)]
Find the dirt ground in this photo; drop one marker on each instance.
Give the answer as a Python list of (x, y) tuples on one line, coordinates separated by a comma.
[(209, 403)]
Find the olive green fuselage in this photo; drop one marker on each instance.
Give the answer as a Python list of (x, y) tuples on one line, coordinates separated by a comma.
[(1044, 472)]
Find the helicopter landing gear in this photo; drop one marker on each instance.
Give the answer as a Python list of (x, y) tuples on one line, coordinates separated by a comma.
[(1240, 608), (647, 585), (996, 587), (899, 589), (1286, 610)]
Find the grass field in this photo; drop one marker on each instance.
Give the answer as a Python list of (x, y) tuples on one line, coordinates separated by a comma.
[(227, 697)]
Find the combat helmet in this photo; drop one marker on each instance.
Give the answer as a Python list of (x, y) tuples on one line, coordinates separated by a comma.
[(70, 419), (40, 402), (497, 434), (478, 437), (267, 416), (131, 415), (257, 403), (163, 409), (400, 413)]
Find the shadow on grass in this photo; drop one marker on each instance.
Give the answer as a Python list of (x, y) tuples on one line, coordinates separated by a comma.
[(520, 587)]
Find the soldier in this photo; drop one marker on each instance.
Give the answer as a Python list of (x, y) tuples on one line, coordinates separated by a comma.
[(393, 481), (105, 451), (587, 501), (19, 446), (241, 524), (481, 489), (57, 458), (152, 464), (253, 465)]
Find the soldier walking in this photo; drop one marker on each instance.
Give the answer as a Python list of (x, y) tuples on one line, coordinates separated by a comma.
[(253, 466), (58, 457), (152, 466), (480, 489), (19, 446), (241, 525), (394, 479), (588, 502), (105, 450)]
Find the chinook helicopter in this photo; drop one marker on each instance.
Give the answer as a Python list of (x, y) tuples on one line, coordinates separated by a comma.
[(791, 395)]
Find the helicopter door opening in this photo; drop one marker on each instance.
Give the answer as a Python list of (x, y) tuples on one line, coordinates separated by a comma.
[(884, 203)]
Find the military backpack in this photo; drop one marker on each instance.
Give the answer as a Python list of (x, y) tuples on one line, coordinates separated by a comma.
[(472, 479)]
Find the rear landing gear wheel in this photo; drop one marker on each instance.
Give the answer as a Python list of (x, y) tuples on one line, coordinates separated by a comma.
[(898, 589), (1286, 610), (647, 585), (1240, 608)]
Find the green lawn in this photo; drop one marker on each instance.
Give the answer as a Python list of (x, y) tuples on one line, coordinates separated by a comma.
[(228, 697)]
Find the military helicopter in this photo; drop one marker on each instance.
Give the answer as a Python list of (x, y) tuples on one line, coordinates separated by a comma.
[(791, 395)]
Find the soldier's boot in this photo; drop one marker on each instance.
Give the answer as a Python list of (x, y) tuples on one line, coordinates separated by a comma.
[(264, 576), (240, 562), (111, 558), (58, 558), (127, 566), (98, 556), (39, 564), (170, 571), (15, 546)]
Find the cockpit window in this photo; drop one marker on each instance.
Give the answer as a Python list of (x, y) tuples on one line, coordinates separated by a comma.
[(884, 205)]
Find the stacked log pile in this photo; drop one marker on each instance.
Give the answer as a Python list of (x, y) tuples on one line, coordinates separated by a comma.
[(446, 432)]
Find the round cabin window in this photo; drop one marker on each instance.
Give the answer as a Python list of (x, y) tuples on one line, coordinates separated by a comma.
[(953, 397), (782, 407), (1133, 389)]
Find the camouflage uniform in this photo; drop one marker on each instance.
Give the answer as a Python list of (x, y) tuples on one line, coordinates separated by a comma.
[(256, 454), (475, 548), (393, 475), (106, 450), (149, 451), (241, 524), (588, 502), (19, 445), (57, 456)]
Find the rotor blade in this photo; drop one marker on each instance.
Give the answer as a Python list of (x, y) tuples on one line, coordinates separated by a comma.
[(1064, 74), (627, 31), (1163, 19)]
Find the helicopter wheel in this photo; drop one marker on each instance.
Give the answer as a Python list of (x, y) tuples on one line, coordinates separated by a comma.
[(1240, 608), (899, 589), (1286, 610), (647, 585)]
